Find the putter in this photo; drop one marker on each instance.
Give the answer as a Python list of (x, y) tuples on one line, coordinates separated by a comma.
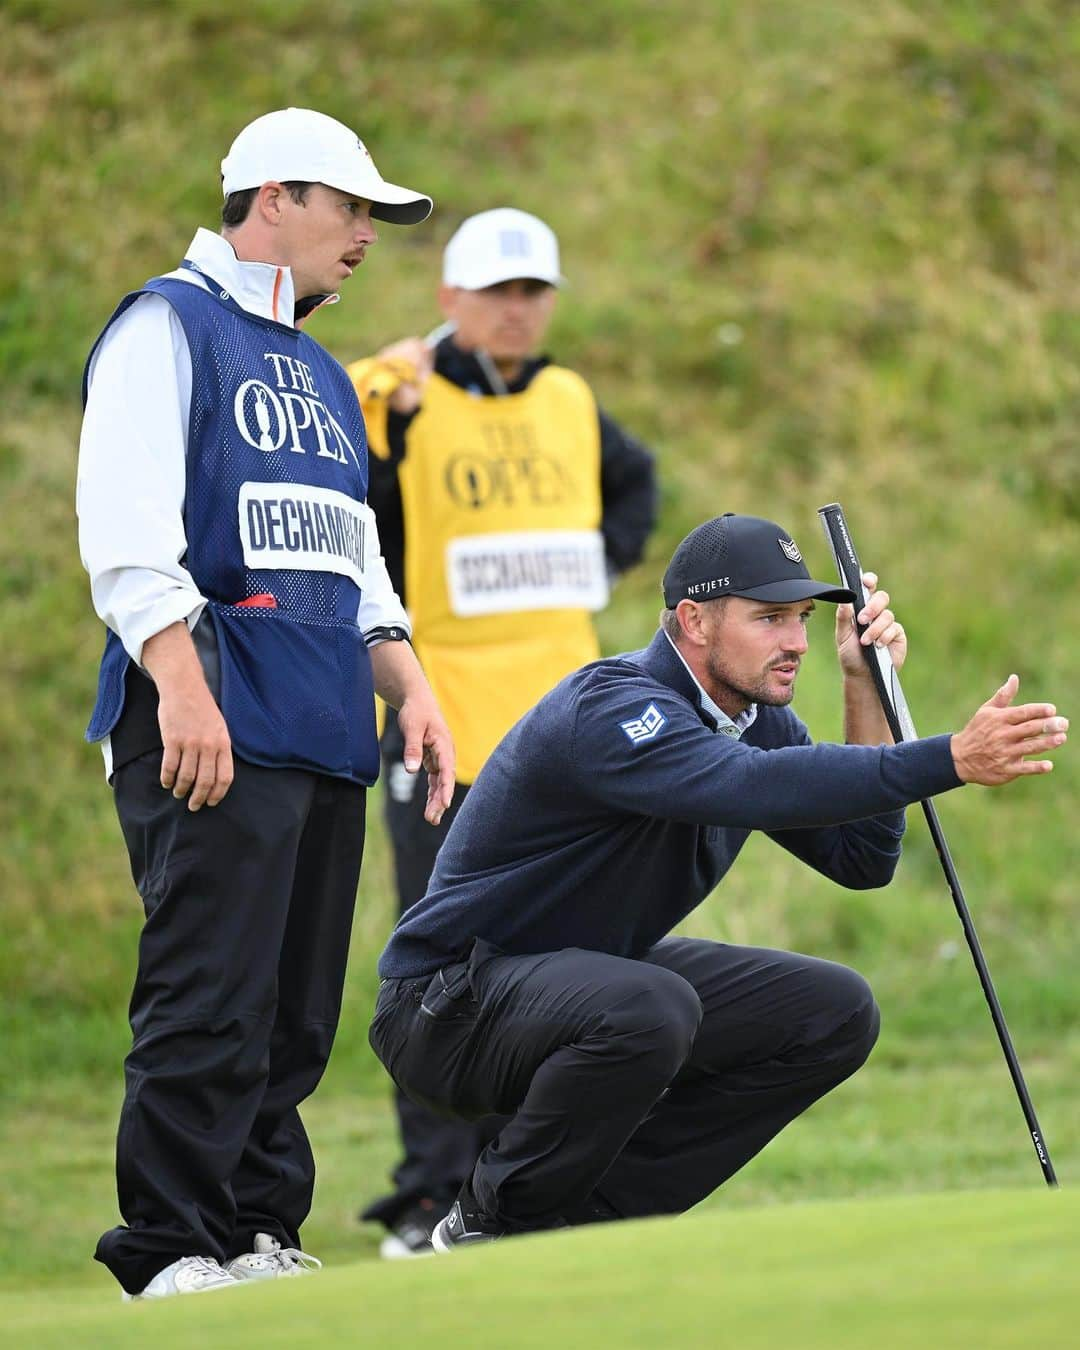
[(894, 705)]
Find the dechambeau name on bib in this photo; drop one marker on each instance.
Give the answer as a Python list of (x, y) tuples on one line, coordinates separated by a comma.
[(538, 569), (305, 528)]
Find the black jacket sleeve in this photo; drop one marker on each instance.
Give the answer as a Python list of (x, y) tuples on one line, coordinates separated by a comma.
[(628, 491), (858, 854)]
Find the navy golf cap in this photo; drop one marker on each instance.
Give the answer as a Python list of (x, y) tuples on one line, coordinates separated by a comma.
[(747, 556)]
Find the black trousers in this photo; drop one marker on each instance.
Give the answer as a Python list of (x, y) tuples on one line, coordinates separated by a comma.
[(437, 1154), (633, 1087), (241, 964)]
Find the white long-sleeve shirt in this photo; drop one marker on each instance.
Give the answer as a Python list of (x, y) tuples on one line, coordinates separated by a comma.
[(132, 458)]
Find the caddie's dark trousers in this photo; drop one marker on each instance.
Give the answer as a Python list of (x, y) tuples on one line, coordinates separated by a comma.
[(241, 963), (438, 1153), (635, 1086)]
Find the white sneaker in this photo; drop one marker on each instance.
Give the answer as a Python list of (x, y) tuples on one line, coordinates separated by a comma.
[(189, 1275), (271, 1261)]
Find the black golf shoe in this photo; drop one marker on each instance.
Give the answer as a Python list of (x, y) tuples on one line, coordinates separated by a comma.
[(464, 1225), (410, 1232)]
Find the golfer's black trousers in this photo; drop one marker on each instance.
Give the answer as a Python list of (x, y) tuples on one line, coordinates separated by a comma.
[(242, 957), (634, 1087), (437, 1153)]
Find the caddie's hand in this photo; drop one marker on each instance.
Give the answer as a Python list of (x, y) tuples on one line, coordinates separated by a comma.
[(413, 361), (993, 748), (882, 629), (197, 759), (428, 742)]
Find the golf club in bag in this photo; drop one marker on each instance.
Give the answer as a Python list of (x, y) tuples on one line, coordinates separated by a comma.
[(894, 705)]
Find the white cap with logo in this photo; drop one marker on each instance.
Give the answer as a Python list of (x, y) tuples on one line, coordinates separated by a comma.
[(298, 145), (501, 245)]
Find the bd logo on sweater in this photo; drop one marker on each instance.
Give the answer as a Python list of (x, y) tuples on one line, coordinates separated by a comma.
[(645, 727), (289, 413)]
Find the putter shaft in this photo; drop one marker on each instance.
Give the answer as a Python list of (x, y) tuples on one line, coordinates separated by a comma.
[(894, 706)]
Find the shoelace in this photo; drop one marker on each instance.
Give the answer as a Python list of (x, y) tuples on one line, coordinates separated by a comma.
[(204, 1269), (290, 1257)]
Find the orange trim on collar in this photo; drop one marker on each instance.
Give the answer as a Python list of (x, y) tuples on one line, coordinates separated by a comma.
[(277, 288)]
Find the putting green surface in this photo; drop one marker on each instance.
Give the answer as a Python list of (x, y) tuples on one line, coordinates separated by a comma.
[(972, 1269)]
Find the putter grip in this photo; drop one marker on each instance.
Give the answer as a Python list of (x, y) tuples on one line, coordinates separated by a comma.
[(847, 563), (843, 551)]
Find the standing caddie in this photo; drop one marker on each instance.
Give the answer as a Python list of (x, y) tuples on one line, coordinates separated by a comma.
[(537, 977), (223, 477), (506, 501)]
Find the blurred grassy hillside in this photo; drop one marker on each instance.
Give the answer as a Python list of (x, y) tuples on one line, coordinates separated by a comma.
[(817, 251)]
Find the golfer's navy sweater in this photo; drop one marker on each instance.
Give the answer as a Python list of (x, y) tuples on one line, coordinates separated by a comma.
[(613, 808)]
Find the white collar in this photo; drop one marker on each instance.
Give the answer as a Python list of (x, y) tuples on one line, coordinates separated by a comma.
[(261, 288), (728, 725)]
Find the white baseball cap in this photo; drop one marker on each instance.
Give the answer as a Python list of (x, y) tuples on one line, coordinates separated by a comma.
[(298, 145), (501, 245)]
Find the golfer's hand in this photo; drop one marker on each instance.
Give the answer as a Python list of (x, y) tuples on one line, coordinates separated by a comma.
[(197, 761), (428, 742), (882, 629), (993, 748), (413, 361)]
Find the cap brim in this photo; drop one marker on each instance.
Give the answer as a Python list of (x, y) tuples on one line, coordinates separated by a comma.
[(786, 592), (389, 201), (410, 210)]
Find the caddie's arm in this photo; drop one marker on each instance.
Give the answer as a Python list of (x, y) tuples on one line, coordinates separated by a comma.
[(197, 755), (864, 720), (629, 493), (130, 502), (401, 682)]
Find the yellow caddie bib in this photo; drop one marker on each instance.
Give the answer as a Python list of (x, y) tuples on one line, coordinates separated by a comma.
[(504, 558)]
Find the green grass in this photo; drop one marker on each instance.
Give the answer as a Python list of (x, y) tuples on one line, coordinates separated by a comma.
[(817, 252), (991, 1269)]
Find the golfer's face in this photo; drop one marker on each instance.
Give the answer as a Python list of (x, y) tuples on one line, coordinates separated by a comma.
[(508, 321), (326, 237), (756, 649)]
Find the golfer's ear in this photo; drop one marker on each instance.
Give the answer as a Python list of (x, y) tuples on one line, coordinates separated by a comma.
[(690, 620)]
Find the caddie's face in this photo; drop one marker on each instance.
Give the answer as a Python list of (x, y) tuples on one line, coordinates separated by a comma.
[(325, 238), (754, 649), (508, 320)]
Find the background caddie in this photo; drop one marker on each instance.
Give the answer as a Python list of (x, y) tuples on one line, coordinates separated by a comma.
[(221, 497), (506, 500)]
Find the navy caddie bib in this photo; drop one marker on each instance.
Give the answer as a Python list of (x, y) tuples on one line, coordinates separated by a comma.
[(278, 535)]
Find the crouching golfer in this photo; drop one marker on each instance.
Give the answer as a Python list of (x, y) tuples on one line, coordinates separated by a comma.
[(535, 978)]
